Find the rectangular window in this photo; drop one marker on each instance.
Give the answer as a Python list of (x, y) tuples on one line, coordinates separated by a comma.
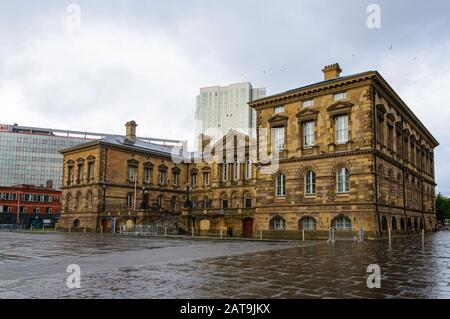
[(147, 175), (162, 177), (390, 137), (341, 129), (132, 173), (224, 172), (175, 179), (205, 179), (248, 169), (70, 175), (248, 203), (308, 134), (278, 138), (90, 170), (193, 180), (80, 173), (236, 172), (279, 109), (308, 103), (340, 96)]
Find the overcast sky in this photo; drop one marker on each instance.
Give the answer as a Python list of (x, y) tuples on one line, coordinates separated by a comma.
[(146, 60)]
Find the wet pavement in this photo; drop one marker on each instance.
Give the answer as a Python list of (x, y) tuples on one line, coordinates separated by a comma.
[(34, 266)]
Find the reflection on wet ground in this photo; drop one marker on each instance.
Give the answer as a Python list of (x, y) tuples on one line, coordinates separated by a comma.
[(34, 266)]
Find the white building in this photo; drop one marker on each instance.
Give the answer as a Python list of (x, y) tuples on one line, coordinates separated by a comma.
[(220, 109)]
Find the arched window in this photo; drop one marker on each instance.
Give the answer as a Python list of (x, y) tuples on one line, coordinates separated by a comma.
[(69, 202), (281, 185), (416, 224), (307, 223), (224, 199), (160, 200), (384, 224), (173, 203), (394, 224), (79, 201), (130, 200), (343, 181), (342, 223), (234, 200), (207, 202), (247, 200), (310, 183), (409, 224), (402, 223), (277, 223), (89, 199)]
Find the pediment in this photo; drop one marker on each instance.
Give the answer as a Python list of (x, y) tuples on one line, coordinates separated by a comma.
[(206, 169), (341, 105), (307, 112), (90, 158), (148, 165), (162, 167), (278, 118), (133, 162)]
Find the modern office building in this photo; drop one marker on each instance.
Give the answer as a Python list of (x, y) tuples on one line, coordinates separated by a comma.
[(220, 109), (29, 155)]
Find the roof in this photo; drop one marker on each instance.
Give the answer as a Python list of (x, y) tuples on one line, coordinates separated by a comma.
[(121, 141), (309, 86)]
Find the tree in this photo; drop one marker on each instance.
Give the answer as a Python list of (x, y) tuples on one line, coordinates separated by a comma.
[(442, 208)]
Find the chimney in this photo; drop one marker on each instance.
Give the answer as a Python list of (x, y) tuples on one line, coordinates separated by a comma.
[(131, 131), (332, 71)]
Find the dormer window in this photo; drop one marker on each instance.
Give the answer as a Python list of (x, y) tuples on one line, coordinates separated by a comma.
[(340, 96)]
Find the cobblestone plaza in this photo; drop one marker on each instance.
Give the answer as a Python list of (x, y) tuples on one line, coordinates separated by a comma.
[(33, 265)]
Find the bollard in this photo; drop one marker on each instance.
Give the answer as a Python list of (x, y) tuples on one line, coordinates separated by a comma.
[(69, 229), (165, 231), (31, 228), (101, 230), (423, 238), (193, 235), (303, 234), (221, 234), (84, 228), (260, 234)]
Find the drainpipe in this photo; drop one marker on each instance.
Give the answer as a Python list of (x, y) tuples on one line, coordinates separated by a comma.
[(374, 119)]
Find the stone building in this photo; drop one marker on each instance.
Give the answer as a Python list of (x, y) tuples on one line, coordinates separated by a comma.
[(118, 181), (348, 153)]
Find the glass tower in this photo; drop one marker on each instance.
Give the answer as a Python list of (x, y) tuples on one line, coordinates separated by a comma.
[(30, 155)]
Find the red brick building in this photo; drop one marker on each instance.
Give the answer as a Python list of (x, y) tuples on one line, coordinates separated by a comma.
[(34, 204)]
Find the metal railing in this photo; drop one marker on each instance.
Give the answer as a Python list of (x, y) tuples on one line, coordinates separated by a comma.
[(11, 227), (149, 230)]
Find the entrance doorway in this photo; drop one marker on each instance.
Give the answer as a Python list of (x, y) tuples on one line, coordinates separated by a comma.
[(104, 224), (247, 227)]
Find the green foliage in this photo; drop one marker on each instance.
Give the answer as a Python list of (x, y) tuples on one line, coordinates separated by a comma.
[(442, 207)]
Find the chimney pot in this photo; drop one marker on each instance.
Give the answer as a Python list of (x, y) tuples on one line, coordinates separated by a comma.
[(130, 131), (332, 71)]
